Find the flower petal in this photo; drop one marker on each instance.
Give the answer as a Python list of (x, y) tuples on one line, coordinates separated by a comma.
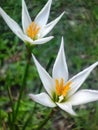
[(12, 24), (25, 38), (78, 79), (42, 17), (60, 69), (39, 41), (47, 28), (43, 40), (84, 96), (43, 99), (45, 78), (26, 20), (67, 107)]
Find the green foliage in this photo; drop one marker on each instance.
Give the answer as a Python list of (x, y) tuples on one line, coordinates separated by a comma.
[(79, 26)]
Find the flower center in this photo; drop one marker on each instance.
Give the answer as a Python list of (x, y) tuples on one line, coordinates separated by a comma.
[(61, 88), (32, 30)]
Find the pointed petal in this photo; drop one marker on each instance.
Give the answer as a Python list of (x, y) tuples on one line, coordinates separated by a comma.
[(43, 99), (84, 96), (42, 17), (43, 40), (25, 38), (26, 20), (45, 78), (67, 107), (12, 24), (46, 29), (60, 69), (39, 41), (78, 79)]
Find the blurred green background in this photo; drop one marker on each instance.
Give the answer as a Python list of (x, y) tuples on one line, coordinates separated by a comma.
[(79, 27)]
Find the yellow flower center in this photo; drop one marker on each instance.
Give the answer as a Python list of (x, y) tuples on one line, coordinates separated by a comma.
[(61, 88), (33, 30)]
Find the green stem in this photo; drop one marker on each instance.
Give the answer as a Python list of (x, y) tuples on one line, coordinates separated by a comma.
[(9, 121), (23, 83), (0, 118), (45, 120), (10, 97), (10, 114)]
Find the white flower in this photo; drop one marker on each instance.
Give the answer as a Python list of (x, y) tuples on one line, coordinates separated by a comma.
[(62, 91), (33, 32)]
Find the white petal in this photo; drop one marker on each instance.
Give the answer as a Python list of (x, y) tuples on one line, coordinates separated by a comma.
[(67, 107), (39, 41), (47, 28), (25, 38), (84, 96), (42, 18), (12, 24), (43, 40), (60, 69), (45, 78), (43, 99), (78, 79), (26, 20)]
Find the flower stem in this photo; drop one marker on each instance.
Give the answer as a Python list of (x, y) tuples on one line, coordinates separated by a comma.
[(23, 82), (10, 113), (9, 121), (11, 99)]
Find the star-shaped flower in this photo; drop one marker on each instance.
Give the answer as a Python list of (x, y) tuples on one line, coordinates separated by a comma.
[(33, 31), (60, 90)]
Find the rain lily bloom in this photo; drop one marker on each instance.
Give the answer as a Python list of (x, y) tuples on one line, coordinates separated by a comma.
[(61, 91), (33, 31)]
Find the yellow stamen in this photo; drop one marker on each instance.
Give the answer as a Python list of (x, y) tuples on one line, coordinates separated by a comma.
[(62, 89), (33, 30)]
